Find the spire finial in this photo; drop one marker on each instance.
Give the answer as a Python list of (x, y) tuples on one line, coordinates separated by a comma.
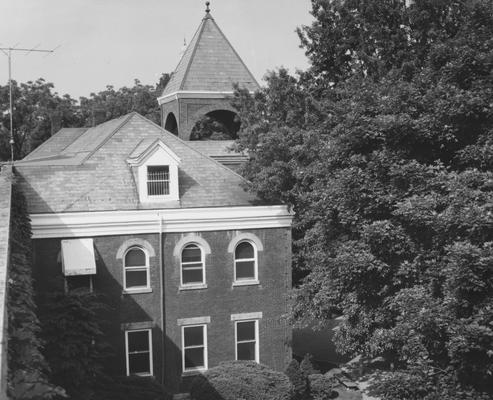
[(207, 9)]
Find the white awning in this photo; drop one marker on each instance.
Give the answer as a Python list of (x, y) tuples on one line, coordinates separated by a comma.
[(78, 257)]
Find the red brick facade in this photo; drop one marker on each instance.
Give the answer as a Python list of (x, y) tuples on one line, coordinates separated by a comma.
[(218, 301)]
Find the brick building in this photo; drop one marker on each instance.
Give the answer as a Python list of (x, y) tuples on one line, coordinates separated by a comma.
[(199, 268)]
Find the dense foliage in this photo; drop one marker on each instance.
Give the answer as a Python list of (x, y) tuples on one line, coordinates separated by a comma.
[(76, 348), (39, 112), (28, 370), (246, 380), (384, 150)]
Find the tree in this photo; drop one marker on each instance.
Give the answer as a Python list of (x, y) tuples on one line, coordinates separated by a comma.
[(38, 113), (111, 103), (389, 170)]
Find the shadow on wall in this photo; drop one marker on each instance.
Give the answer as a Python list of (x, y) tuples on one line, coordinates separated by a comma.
[(318, 342), (131, 338)]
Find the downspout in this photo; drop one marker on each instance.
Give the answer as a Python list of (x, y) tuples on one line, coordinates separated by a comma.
[(161, 287)]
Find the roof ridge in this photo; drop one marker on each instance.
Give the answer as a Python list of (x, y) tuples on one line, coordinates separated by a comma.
[(199, 32), (193, 149), (125, 118)]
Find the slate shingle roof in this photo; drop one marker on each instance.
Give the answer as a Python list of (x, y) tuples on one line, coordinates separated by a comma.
[(210, 63), (92, 173)]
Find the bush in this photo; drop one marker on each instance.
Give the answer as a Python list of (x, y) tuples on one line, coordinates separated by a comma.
[(245, 380), (130, 388), (321, 387), (299, 381), (307, 366)]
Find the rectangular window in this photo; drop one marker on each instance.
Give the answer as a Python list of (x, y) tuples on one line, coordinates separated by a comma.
[(158, 180), (194, 347), (78, 283), (246, 334), (138, 345)]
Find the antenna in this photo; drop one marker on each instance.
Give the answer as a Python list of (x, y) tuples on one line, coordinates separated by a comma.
[(8, 52)]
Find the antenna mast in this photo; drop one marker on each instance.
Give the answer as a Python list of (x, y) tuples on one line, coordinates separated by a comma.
[(8, 52)]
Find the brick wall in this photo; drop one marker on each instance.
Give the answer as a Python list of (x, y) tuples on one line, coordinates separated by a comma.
[(218, 301)]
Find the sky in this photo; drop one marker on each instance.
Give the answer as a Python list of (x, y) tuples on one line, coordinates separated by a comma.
[(113, 42)]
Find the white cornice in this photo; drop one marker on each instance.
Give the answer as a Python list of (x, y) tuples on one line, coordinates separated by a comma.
[(106, 223), (195, 94)]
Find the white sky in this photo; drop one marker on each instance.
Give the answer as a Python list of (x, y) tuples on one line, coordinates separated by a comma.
[(111, 42)]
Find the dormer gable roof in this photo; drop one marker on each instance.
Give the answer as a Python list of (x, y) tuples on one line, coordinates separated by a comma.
[(210, 64), (146, 148)]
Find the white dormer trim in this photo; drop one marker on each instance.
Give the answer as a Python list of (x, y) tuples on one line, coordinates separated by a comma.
[(156, 155)]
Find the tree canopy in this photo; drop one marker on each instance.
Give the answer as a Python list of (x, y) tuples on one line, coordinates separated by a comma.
[(384, 149), (39, 112)]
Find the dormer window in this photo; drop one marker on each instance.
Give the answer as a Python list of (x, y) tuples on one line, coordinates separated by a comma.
[(158, 180), (156, 167)]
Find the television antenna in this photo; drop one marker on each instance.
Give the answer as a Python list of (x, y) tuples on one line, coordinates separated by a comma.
[(8, 52)]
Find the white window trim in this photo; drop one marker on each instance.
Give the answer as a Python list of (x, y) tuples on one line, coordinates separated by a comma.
[(137, 289), (151, 366), (257, 344), (206, 356), (157, 155), (193, 285), (248, 281)]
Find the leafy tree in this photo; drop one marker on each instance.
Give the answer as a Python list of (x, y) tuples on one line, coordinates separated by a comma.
[(38, 113), (73, 328), (111, 103), (383, 148)]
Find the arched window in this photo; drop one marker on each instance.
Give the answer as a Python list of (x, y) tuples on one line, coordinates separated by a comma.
[(136, 269), (245, 262), (192, 265)]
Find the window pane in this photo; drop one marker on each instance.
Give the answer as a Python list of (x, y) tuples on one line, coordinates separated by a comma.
[(191, 253), (244, 250), (245, 331), (158, 173), (135, 258), (192, 276), (246, 351), (194, 336), (139, 363), (194, 358), (245, 270), (158, 180), (138, 341), (135, 278)]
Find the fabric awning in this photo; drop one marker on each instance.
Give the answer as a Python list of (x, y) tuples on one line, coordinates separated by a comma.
[(78, 257)]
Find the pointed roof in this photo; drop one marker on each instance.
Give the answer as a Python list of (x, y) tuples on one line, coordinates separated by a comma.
[(210, 63)]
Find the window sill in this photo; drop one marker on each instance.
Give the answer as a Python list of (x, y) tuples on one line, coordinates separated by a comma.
[(246, 283), (194, 372), (193, 287), (137, 291)]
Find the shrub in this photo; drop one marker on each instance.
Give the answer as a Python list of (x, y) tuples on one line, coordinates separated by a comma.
[(299, 382), (307, 366), (321, 387), (130, 388), (245, 380)]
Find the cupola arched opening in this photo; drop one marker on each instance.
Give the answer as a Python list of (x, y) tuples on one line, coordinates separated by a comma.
[(217, 125), (171, 125)]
